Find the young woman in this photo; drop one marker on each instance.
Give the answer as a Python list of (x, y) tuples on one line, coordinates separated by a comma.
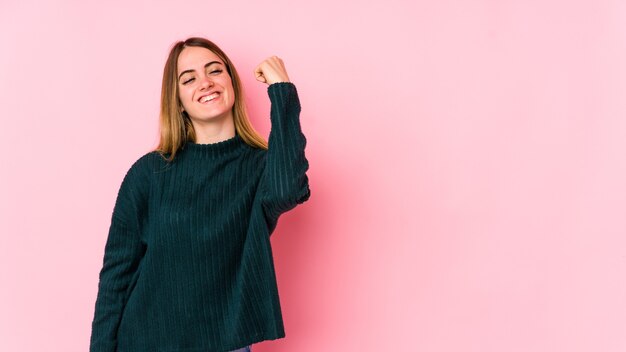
[(188, 264)]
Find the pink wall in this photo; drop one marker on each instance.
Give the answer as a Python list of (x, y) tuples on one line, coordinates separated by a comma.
[(467, 165)]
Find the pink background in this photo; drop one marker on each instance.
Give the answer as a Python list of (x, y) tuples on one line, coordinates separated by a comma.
[(467, 165)]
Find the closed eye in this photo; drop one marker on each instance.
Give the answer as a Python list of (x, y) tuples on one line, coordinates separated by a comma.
[(214, 72)]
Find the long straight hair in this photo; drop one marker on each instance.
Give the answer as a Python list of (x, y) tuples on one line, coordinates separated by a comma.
[(175, 125)]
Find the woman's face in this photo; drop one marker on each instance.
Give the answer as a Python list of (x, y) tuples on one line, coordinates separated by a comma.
[(204, 86)]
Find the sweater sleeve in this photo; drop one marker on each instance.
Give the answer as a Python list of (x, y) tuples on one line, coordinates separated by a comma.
[(122, 255), (284, 183)]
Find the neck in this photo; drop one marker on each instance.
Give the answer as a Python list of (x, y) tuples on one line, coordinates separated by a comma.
[(216, 130)]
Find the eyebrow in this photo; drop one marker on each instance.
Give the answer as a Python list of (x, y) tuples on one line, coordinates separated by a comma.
[(205, 66)]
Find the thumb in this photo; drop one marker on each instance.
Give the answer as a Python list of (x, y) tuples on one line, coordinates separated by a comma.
[(258, 74)]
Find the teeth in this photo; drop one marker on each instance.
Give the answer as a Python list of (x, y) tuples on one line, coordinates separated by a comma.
[(210, 97)]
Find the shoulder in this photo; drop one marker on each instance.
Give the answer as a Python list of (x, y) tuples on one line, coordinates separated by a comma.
[(150, 159), (143, 162), (255, 153), (145, 165)]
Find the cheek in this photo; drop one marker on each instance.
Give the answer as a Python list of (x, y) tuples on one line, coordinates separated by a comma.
[(232, 98), (231, 92), (184, 97), (183, 94)]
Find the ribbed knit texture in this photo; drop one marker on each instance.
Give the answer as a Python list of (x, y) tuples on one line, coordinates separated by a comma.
[(188, 264)]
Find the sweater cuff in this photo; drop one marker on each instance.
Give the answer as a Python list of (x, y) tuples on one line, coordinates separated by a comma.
[(278, 85), (284, 95)]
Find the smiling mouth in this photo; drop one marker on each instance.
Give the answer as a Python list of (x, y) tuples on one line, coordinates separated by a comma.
[(207, 98)]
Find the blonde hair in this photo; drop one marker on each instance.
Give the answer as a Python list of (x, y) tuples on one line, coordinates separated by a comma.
[(175, 125)]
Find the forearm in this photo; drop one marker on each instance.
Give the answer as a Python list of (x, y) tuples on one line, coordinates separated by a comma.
[(285, 181)]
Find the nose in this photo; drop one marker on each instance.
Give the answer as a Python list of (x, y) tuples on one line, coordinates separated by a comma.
[(205, 82)]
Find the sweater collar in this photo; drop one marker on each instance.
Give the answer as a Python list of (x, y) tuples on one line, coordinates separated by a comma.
[(215, 150)]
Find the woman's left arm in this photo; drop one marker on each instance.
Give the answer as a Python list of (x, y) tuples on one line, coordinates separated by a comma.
[(284, 183)]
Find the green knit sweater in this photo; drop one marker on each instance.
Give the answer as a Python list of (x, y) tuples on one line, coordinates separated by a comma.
[(188, 263)]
